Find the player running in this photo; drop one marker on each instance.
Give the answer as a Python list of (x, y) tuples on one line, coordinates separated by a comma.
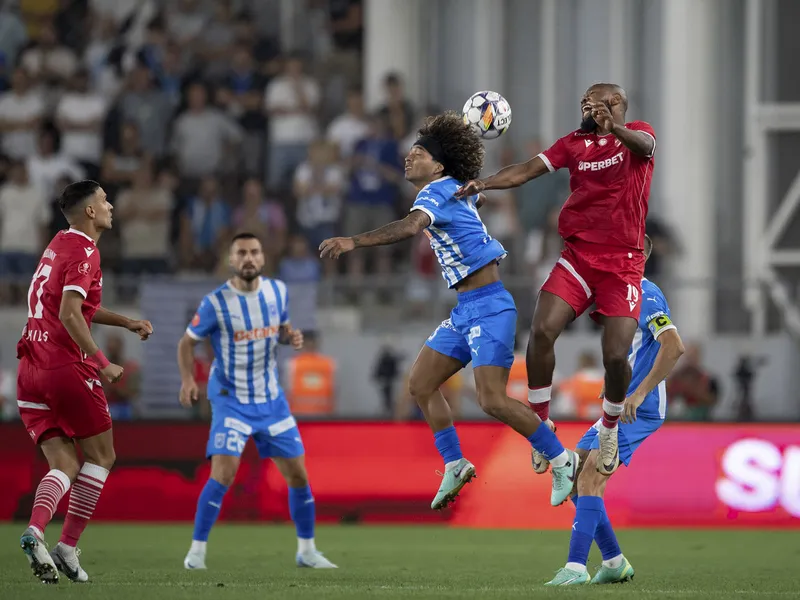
[(602, 224), (245, 319), (60, 395), (656, 348), (481, 327)]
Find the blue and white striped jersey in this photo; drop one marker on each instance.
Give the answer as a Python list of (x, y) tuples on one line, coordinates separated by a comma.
[(654, 320), (457, 235), (244, 328)]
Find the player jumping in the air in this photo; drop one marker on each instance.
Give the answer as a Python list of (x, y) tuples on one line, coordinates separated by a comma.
[(60, 395), (246, 318), (602, 224), (481, 327), (655, 350)]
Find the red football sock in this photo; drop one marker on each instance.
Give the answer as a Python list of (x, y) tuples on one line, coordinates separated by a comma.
[(611, 412), (539, 399), (51, 489), (82, 501)]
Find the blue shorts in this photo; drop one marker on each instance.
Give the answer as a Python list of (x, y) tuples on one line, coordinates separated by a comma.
[(276, 434), (631, 435), (481, 328)]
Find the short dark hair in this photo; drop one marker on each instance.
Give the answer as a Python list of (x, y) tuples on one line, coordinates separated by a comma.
[(75, 194), (245, 235), (461, 147)]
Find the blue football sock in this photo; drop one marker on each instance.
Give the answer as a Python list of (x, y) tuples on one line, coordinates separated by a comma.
[(587, 516), (606, 538), (208, 507), (303, 511), (448, 445), (546, 442)]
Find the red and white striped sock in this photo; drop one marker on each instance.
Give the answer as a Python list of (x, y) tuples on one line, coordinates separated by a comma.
[(611, 412), (539, 399), (82, 500), (51, 489)]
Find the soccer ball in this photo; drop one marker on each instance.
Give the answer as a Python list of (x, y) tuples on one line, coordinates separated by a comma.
[(488, 113)]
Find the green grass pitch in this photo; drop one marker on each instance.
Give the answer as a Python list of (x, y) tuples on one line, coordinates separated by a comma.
[(144, 562)]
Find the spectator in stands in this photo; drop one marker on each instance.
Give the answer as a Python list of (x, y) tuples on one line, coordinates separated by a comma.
[(264, 217), (350, 127), (143, 212), (318, 187), (149, 108), (21, 112), (300, 269), (205, 226), (291, 102), (373, 191), (663, 246), (47, 60), (203, 136), (264, 48), (398, 110), (121, 165), (578, 395), (241, 96), (385, 373), (49, 164), (694, 385), (311, 379), (122, 396), (13, 35), (424, 280), (79, 116), (24, 216), (217, 45), (186, 21), (152, 52), (103, 40), (173, 73)]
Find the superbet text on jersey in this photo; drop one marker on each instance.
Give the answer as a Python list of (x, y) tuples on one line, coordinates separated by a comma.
[(71, 262), (610, 187)]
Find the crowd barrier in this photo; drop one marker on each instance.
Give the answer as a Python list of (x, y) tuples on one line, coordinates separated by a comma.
[(686, 475)]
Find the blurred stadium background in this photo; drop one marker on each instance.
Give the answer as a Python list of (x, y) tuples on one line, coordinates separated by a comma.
[(289, 118)]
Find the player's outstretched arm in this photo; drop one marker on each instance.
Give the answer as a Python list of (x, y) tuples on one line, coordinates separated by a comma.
[(105, 317), (668, 354), (509, 177), (391, 233)]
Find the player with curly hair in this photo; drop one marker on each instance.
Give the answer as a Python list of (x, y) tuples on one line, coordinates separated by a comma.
[(482, 326)]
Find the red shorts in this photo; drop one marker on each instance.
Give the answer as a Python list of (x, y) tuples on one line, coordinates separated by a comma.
[(67, 401), (610, 278)]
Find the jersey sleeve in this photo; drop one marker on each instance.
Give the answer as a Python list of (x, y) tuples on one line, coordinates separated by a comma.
[(204, 322), (656, 314), (556, 156), (283, 292), (432, 202), (80, 269), (644, 127)]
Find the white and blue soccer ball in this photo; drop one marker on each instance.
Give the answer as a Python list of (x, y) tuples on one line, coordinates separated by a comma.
[(488, 113)]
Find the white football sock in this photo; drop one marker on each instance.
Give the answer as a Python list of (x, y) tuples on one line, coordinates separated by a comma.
[(306, 545), (451, 465), (561, 460), (198, 547), (576, 567), (614, 562)]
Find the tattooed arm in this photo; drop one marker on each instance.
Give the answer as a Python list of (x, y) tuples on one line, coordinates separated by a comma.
[(396, 231)]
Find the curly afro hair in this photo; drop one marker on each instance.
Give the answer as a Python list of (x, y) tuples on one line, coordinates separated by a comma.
[(461, 147)]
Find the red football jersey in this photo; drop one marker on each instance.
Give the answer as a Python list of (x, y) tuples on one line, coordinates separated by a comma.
[(70, 262), (610, 187)]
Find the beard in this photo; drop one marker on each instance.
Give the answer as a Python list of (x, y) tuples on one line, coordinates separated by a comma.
[(249, 274), (588, 124)]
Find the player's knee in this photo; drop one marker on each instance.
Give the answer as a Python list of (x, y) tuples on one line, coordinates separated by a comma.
[(543, 335), (102, 457), (297, 479), (615, 360), (493, 404), (418, 388), (224, 475)]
